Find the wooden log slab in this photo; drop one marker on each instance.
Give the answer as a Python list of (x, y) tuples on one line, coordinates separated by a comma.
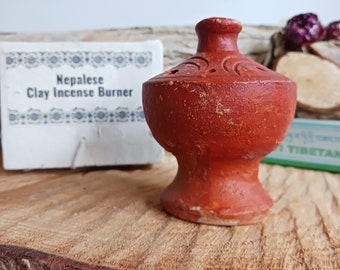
[(111, 218), (179, 42)]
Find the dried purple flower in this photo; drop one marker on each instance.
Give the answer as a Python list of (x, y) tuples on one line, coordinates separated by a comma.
[(302, 28), (333, 30)]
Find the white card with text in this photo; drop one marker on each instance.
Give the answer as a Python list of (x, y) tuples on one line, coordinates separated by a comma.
[(75, 104)]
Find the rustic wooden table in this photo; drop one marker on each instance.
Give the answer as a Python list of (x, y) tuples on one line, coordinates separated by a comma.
[(110, 218)]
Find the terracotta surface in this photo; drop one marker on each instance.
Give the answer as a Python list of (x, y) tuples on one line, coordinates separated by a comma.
[(219, 113)]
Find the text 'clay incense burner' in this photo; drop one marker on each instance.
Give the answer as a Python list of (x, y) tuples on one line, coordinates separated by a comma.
[(219, 113)]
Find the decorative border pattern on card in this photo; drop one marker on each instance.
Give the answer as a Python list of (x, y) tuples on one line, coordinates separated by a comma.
[(76, 115), (78, 59)]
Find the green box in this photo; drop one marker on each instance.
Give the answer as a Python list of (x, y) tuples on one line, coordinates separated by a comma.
[(310, 143)]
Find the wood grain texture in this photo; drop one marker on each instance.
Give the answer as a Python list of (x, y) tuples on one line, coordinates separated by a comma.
[(179, 42), (12, 257), (111, 217)]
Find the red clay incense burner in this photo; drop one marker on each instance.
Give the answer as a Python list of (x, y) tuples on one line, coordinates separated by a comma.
[(219, 113)]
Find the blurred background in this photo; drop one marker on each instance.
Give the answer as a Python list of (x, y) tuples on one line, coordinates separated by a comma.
[(64, 15)]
